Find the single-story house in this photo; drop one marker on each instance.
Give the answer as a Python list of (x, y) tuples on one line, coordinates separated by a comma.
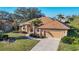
[(49, 26)]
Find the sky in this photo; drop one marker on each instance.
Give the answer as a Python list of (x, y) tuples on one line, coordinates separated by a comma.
[(50, 11)]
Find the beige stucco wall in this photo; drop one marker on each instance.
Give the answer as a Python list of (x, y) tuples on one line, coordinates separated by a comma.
[(53, 33), (23, 28), (57, 33)]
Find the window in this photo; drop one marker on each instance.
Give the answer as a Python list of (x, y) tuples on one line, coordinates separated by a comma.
[(37, 30), (23, 27)]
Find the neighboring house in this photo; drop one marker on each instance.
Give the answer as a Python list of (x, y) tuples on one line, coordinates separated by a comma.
[(49, 26)]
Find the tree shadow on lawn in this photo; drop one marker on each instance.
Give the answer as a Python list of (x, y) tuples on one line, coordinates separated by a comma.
[(20, 32), (13, 39), (23, 37)]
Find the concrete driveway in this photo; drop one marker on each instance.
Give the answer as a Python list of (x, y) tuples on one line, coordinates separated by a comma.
[(47, 44)]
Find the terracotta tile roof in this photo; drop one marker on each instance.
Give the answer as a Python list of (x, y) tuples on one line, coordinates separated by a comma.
[(45, 20), (52, 24), (48, 23), (25, 23)]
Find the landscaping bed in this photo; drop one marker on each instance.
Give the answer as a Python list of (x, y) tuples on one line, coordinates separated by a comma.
[(36, 36)]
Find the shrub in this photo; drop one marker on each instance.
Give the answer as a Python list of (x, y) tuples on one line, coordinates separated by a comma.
[(1, 35), (5, 36), (76, 41), (67, 22), (68, 40), (1, 39), (34, 35)]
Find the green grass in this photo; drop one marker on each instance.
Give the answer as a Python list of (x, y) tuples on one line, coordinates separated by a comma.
[(11, 34), (75, 23), (19, 45), (75, 34), (68, 47)]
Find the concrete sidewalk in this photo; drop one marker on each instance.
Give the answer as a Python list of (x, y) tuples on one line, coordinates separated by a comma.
[(48, 44)]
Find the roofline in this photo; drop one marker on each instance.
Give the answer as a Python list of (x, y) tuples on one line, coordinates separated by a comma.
[(24, 24), (54, 28)]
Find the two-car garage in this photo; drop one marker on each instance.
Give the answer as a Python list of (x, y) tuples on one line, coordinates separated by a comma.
[(57, 33)]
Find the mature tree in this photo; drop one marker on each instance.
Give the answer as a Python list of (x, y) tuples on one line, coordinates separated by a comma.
[(3, 15), (60, 16), (9, 20), (28, 13), (6, 15), (70, 18), (7, 27), (34, 13), (22, 12)]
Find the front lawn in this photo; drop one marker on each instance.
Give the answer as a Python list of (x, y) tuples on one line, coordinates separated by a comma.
[(21, 42), (68, 47), (69, 44), (12, 34), (18, 45), (75, 22)]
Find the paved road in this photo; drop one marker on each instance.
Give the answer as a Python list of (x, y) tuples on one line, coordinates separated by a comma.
[(47, 44)]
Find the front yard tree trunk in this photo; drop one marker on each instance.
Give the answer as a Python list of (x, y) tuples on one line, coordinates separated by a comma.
[(34, 30), (40, 33)]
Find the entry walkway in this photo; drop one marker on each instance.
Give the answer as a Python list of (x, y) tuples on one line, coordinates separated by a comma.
[(47, 44)]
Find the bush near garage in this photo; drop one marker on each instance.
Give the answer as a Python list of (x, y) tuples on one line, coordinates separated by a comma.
[(68, 40)]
